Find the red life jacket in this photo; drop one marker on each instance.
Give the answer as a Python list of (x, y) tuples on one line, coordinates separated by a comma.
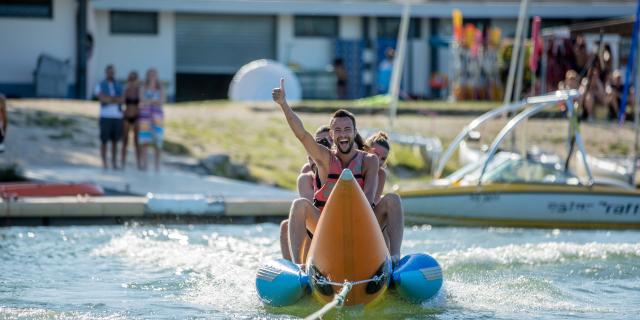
[(321, 194)]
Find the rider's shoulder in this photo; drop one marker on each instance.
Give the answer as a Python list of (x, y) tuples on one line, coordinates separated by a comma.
[(370, 158)]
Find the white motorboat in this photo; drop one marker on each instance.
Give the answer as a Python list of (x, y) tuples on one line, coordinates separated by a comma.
[(507, 189)]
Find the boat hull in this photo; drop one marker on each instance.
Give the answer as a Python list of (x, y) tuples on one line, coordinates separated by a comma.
[(523, 205)]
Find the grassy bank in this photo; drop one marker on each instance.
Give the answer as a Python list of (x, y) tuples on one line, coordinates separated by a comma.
[(257, 135), (261, 140)]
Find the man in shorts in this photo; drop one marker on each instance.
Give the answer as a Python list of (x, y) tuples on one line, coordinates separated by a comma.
[(110, 95)]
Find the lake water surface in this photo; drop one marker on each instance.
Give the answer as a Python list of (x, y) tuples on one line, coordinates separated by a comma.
[(208, 271)]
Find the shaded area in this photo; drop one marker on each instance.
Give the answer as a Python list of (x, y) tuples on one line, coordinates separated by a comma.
[(194, 86)]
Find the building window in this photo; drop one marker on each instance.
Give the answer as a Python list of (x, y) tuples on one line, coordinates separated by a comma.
[(26, 8), (388, 28), (316, 26), (127, 22)]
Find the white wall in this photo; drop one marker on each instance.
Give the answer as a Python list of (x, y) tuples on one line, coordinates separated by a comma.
[(308, 53), (136, 52), (284, 38), (24, 39), (350, 27), (420, 57), (312, 53)]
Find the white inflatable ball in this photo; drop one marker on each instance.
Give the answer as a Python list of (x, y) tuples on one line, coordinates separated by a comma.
[(255, 80)]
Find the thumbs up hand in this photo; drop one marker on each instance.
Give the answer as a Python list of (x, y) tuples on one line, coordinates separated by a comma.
[(278, 94)]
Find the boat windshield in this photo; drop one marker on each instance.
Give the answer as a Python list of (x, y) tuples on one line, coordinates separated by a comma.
[(470, 172), (529, 171)]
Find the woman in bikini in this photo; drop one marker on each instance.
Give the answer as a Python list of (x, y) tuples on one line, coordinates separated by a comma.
[(131, 114)]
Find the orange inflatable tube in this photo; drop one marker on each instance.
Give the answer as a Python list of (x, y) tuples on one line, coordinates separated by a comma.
[(348, 246)]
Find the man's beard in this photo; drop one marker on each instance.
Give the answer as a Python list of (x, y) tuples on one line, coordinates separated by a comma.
[(348, 148)]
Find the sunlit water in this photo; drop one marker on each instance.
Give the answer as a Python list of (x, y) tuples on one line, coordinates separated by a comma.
[(181, 271)]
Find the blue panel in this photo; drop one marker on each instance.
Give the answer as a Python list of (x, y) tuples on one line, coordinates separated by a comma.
[(350, 51), (17, 90), (27, 90)]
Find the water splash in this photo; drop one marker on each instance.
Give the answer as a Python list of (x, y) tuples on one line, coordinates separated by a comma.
[(217, 270), (539, 253), (39, 313)]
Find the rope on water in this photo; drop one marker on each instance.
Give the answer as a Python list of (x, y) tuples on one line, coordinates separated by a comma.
[(337, 301), (353, 283)]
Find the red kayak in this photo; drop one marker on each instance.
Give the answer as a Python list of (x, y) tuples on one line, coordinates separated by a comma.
[(29, 189)]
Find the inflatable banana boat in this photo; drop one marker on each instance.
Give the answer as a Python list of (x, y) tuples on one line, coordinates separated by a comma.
[(348, 249)]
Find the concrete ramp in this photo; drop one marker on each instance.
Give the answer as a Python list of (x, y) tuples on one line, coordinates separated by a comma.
[(134, 182), (169, 195)]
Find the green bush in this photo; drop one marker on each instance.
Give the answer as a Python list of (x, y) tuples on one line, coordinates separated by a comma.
[(175, 148), (407, 158), (47, 120)]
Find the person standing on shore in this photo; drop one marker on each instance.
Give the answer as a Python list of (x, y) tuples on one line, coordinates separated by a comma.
[(131, 114), (341, 78), (385, 69), (151, 118), (109, 93)]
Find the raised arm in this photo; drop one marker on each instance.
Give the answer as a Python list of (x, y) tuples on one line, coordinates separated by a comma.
[(318, 153), (370, 172)]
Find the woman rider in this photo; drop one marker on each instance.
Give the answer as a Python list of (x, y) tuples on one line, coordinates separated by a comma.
[(388, 205)]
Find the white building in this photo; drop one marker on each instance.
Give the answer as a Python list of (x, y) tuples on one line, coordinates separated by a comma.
[(197, 45)]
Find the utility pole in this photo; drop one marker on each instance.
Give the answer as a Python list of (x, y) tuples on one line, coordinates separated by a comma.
[(81, 50)]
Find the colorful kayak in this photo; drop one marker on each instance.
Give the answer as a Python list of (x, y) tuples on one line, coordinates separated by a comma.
[(29, 189), (348, 251)]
